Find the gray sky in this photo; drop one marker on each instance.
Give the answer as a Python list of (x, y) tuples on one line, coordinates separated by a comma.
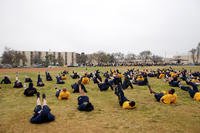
[(162, 26)]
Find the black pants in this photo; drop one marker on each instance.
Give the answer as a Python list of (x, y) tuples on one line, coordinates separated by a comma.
[(158, 96), (119, 92)]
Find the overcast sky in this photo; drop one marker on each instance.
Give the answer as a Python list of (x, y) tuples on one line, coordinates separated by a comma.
[(165, 27)]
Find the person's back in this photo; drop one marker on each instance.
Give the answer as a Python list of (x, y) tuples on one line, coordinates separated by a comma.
[(6, 80), (169, 98), (30, 91), (84, 104), (85, 80), (197, 96), (128, 105), (64, 94)]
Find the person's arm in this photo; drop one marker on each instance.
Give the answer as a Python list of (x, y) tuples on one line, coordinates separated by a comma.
[(150, 89), (98, 80), (82, 93)]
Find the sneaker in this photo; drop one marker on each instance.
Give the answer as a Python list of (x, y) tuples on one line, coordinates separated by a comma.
[(43, 96)]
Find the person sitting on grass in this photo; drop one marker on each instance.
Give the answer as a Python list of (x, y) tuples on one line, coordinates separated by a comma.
[(28, 79), (75, 86), (5, 80), (104, 86), (85, 80), (30, 91), (48, 76), (97, 78), (141, 80), (173, 81), (193, 92), (39, 81), (62, 94), (42, 113), (59, 80), (123, 101), (167, 98), (126, 83), (75, 75), (18, 83), (83, 101)]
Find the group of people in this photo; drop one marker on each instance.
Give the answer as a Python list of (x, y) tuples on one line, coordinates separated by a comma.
[(115, 80)]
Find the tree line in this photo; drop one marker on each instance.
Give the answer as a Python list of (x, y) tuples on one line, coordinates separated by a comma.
[(103, 58)]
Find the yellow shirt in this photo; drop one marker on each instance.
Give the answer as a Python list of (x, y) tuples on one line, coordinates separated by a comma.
[(140, 78), (169, 98), (119, 75), (64, 77), (161, 76), (173, 74), (197, 96), (195, 81), (85, 80), (63, 95), (127, 106)]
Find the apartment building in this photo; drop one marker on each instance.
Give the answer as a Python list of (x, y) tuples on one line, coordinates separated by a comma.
[(69, 58)]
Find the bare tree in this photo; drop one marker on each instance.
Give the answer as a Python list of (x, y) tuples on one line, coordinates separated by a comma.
[(82, 58), (157, 59), (130, 56), (145, 55), (60, 59), (13, 57)]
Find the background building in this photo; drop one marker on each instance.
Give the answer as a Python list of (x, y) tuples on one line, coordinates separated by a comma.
[(48, 57)]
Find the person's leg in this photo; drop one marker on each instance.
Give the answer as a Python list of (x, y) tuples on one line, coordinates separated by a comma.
[(129, 84), (158, 96), (38, 104), (120, 95), (44, 99), (194, 86), (57, 93), (185, 88), (191, 93)]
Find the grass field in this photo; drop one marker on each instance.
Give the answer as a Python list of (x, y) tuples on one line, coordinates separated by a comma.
[(149, 116)]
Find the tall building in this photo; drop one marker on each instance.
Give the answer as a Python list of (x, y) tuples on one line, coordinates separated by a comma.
[(36, 57)]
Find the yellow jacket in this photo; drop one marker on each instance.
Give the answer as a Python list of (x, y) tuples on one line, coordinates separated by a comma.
[(85, 80), (169, 98), (197, 96), (127, 106), (64, 95)]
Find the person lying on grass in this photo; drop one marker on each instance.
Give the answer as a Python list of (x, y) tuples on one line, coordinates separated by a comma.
[(62, 94), (59, 80), (83, 101), (193, 92), (167, 98), (123, 101), (30, 91), (42, 113)]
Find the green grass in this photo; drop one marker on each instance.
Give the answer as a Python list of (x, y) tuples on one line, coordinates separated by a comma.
[(108, 116)]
